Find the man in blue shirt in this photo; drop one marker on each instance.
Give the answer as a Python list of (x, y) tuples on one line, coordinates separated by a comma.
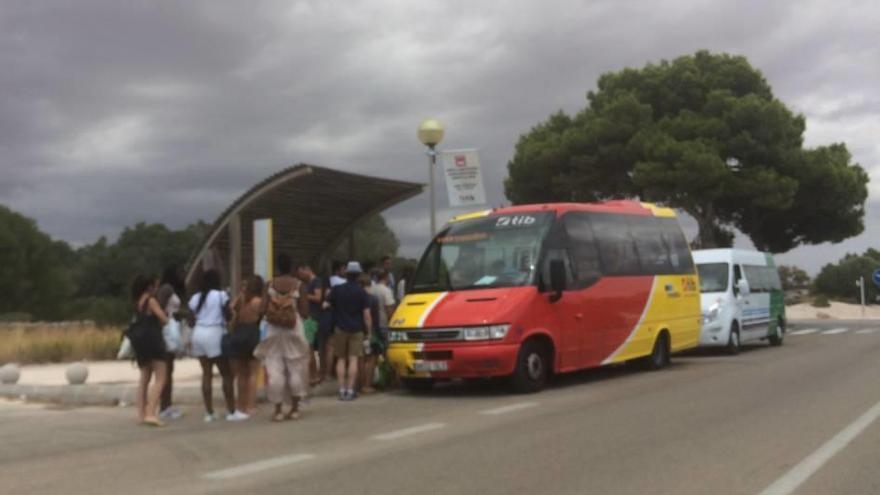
[(351, 314)]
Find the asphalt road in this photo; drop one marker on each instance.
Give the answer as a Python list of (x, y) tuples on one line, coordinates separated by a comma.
[(794, 419)]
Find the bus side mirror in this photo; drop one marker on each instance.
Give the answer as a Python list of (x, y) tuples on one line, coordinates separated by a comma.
[(557, 279), (743, 287)]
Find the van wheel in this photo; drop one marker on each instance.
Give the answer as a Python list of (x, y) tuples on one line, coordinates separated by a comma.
[(659, 357), (733, 342), (417, 385), (778, 334), (532, 367)]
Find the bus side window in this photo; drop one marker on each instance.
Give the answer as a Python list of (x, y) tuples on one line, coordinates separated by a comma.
[(679, 254), (581, 244), (617, 248), (773, 277), (650, 245), (755, 277)]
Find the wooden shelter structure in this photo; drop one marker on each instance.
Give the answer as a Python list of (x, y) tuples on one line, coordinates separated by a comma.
[(313, 210)]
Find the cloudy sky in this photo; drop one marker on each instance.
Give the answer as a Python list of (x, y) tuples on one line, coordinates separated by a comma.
[(116, 112)]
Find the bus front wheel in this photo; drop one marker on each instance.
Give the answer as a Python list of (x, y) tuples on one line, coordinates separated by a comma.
[(532, 367)]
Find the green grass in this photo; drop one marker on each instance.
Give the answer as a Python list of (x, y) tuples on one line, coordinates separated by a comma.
[(26, 343)]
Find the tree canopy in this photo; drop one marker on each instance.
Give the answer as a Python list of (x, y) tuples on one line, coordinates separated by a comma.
[(793, 277), (838, 280), (703, 133), (34, 270), (46, 279), (373, 239)]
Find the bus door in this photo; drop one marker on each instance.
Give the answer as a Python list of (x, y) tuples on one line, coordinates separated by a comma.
[(586, 272)]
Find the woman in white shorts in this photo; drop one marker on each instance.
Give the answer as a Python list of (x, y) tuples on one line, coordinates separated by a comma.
[(209, 307)]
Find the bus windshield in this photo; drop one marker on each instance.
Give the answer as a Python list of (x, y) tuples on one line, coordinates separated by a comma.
[(713, 276), (480, 253)]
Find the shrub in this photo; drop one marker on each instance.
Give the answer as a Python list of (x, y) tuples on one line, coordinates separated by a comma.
[(838, 281), (821, 301), (57, 342)]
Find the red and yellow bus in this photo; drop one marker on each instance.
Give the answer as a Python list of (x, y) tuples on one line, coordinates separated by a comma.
[(528, 291)]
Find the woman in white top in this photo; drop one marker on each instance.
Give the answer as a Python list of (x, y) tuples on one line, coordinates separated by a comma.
[(210, 307)]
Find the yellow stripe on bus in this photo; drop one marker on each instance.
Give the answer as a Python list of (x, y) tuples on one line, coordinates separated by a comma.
[(659, 211), (468, 216), (674, 306), (413, 310)]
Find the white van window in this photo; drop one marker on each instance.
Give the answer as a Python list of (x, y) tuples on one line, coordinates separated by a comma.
[(713, 276), (757, 278)]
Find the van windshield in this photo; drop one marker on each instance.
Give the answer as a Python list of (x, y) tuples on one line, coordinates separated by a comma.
[(713, 276), (480, 253)]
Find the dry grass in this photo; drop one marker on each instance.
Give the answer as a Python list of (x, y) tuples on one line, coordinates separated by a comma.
[(26, 343)]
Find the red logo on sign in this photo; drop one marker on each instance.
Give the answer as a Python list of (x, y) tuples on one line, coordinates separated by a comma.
[(460, 160)]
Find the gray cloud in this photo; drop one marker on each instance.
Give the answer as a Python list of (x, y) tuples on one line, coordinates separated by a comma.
[(115, 112)]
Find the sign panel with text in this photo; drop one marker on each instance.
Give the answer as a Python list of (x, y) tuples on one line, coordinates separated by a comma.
[(464, 179)]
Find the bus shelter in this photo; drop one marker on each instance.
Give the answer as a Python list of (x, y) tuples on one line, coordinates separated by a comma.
[(312, 209)]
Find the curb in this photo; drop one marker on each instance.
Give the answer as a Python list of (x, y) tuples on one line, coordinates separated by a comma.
[(118, 394)]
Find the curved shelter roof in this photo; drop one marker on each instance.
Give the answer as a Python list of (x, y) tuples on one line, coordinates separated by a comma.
[(313, 209)]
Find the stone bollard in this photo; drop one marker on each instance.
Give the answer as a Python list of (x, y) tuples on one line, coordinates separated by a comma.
[(77, 373), (9, 374)]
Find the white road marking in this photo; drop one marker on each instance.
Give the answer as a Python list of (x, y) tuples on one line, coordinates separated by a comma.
[(256, 467), (797, 475), (835, 331), (393, 435), (805, 331), (507, 409), (865, 331)]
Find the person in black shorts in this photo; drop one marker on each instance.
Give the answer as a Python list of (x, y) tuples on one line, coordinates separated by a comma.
[(243, 339)]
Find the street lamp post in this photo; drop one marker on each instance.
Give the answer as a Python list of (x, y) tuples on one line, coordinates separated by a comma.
[(430, 134)]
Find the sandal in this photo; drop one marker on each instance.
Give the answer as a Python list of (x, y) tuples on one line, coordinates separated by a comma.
[(153, 422), (277, 417), (292, 415)]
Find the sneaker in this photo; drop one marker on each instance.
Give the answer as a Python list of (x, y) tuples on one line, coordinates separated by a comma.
[(210, 417), (343, 394), (171, 413), (237, 416)]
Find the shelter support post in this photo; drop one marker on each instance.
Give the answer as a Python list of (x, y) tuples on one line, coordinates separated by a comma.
[(234, 253)]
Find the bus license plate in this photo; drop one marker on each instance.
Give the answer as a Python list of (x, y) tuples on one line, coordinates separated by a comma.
[(422, 366)]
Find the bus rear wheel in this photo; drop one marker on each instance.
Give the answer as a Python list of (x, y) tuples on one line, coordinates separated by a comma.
[(778, 334), (659, 357), (532, 368)]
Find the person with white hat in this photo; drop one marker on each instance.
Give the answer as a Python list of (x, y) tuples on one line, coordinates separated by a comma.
[(351, 314)]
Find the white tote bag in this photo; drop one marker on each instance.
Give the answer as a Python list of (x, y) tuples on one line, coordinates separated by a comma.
[(171, 334), (126, 351)]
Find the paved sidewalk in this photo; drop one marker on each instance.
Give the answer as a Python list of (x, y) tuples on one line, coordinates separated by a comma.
[(112, 383)]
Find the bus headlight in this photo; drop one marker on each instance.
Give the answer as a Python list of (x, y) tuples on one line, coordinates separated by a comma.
[(492, 332), (714, 311)]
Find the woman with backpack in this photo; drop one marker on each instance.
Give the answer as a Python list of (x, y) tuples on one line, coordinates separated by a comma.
[(210, 308), (243, 339), (285, 352), (145, 334)]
